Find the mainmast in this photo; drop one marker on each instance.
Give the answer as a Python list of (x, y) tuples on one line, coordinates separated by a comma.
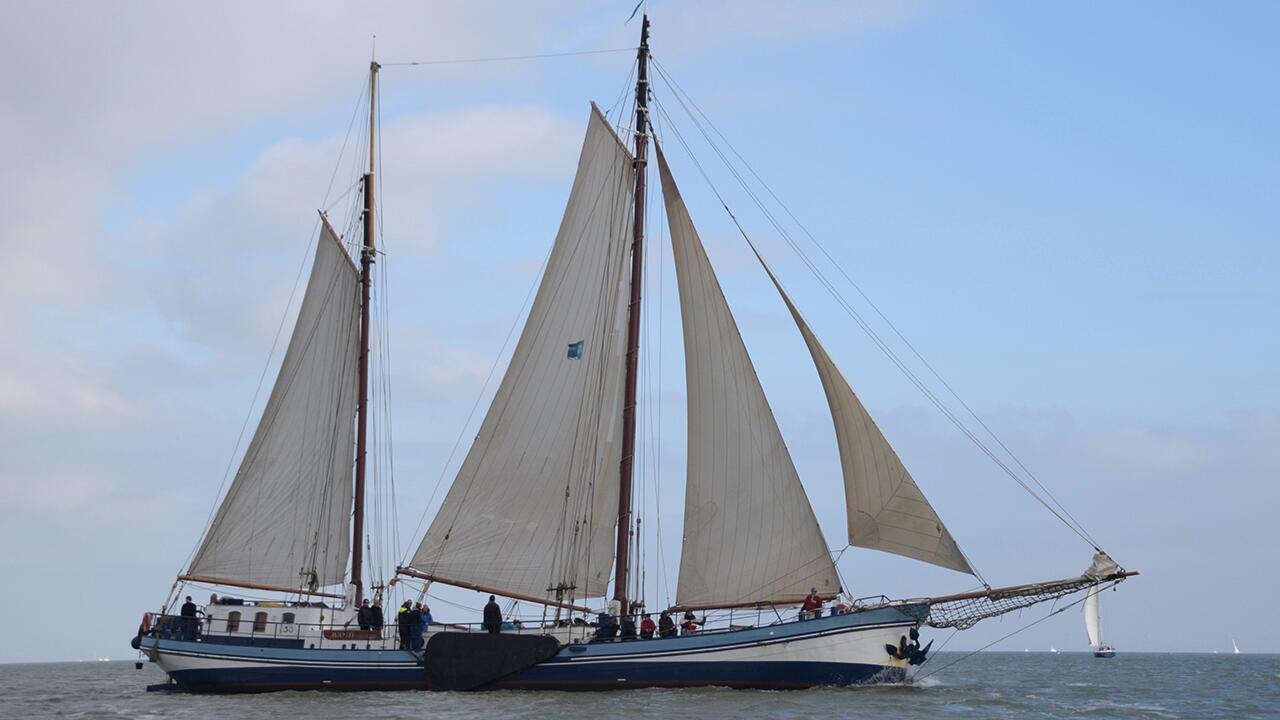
[(362, 409), (623, 553)]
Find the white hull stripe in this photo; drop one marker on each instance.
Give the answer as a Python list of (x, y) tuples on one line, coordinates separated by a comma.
[(585, 659), (238, 659)]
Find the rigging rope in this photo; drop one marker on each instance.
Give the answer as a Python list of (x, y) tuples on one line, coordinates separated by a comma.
[(505, 58), (1059, 512)]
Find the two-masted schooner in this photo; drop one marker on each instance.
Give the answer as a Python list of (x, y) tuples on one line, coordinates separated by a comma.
[(541, 508)]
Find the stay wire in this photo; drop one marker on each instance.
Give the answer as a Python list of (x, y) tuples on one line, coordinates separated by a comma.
[(883, 346), (506, 58)]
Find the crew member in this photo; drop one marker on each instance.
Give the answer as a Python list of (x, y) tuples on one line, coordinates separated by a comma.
[(189, 611), (666, 626), (647, 627), (362, 615), (812, 607), (492, 616)]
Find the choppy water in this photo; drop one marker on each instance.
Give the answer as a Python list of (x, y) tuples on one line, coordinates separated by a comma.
[(989, 685)]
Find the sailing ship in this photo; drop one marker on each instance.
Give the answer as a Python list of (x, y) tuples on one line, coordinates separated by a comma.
[(1093, 625), (1235, 649), (541, 509)]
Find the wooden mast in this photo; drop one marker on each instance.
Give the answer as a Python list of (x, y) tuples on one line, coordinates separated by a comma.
[(362, 409), (623, 552)]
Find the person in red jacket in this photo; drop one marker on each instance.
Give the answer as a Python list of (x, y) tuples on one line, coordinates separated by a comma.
[(812, 606), (647, 627)]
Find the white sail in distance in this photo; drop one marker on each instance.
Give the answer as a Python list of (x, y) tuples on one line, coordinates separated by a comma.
[(286, 519), (1093, 618), (886, 509), (535, 503), (750, 534)]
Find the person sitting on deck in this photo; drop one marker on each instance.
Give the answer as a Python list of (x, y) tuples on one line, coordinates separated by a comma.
[(606, 627), (375, 616), (812, 607), (647, 627), (362, 615), (840, 608), (188, 612), (492, 616), (628, 628), (666, 626), (402, 623), (690, 624)]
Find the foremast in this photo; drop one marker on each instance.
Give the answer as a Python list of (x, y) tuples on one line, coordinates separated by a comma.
[(627, 464), (362, 407)]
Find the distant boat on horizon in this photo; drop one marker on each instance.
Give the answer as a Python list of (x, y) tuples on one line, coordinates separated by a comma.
[(1093, 625), (1235, 649), (1053, 650)]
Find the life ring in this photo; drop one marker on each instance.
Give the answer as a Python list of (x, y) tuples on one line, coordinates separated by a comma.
[(146, 624)]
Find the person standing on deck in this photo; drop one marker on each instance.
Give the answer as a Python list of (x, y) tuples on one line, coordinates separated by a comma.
[(812, 606), (402, 623), (188, 626), (666, 626), (492, 616), (375, 616), (362, 615), (415, 627)]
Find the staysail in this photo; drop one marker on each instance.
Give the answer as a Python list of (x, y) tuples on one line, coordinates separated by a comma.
[(750, 535), (1093, 618), (886, 509), (534, 505), (285, 521)]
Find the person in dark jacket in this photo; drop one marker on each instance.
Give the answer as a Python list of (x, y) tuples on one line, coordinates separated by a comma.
[(402, 623), (362, 615), (666, 626), (189, 611), (628, 628), (492, 616), (606, 627), (376, 620), (415, 627)]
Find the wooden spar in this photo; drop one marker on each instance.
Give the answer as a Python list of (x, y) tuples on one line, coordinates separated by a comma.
[(362, 408), (622, 554), (997, 593), (755, 604), (253, 586), (496, 591)]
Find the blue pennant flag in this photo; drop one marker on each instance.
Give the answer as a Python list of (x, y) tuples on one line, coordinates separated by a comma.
[(575, 350)]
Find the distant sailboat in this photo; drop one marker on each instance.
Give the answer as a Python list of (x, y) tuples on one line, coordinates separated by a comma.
[(1093, 625), (1053, 650), (1235, 649)]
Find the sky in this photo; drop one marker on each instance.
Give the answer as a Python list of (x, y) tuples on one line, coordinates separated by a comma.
[(1069, 210)]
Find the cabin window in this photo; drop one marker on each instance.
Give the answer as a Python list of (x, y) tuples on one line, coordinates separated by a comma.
[(260, 622), (287, 619), (233, 621)]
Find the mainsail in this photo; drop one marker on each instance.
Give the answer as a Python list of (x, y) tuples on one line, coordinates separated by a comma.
[(535, 503), (750, 535), (285, 521), (1093, 618), (886, 509)]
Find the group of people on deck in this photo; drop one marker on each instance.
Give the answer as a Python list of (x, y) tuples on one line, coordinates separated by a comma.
[(412, 621), (609, 628)]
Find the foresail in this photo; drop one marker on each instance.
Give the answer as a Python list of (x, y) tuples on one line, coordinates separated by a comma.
[(886, 509), (285, 521), (535, 503), (750, 535)]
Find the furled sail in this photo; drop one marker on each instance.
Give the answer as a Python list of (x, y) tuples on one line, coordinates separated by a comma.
[(886, 509), (1093, 618), (750, 535), (535, 503), (285, 521)]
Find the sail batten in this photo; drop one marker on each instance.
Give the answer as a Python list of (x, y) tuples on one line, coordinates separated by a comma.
[(750, 534), (534, 504), (285, 520), (886, 509)]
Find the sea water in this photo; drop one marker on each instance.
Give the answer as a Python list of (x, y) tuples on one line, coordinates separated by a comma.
[(986, 685)]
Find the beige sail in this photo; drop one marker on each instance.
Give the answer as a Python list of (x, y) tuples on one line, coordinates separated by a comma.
[(886, 509), (285, 521), (750, 535), (535, 503)]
